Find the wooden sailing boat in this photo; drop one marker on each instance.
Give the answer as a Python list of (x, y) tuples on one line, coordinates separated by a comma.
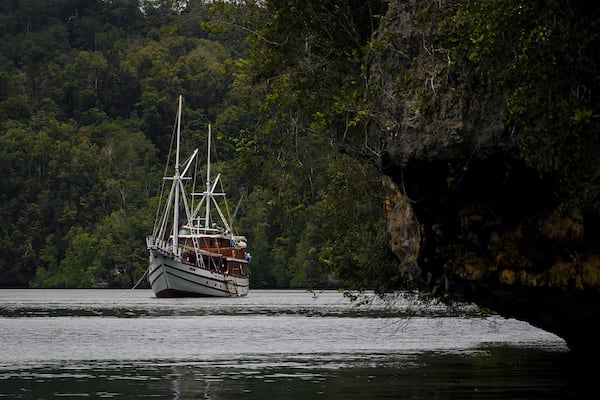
[(194, 254)]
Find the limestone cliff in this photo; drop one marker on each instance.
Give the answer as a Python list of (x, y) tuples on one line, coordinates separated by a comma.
[(466, 215)]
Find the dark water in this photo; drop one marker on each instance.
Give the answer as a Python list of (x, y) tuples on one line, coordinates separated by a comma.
[(270, 345)]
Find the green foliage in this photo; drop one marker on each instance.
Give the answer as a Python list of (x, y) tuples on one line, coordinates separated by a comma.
[(324, 219), (543, 56), (353, 245), (87, 92), (87, 99), (61, 178), (78, 179), (311, 59)]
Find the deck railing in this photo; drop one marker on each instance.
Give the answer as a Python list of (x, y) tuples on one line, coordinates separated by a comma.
[(156, 243)]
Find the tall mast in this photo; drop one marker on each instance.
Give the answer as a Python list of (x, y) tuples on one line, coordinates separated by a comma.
[(176, 180), (208, 191)]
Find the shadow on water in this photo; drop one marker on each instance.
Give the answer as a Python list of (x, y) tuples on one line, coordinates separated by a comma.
[(489, 372)]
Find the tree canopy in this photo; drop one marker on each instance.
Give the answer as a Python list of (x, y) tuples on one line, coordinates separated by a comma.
[(544, 57), (87, 101)]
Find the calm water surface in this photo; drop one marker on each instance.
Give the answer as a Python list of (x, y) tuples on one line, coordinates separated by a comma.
[(270, 345)]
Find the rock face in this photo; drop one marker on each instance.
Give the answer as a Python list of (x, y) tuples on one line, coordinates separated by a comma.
[(465, 215)]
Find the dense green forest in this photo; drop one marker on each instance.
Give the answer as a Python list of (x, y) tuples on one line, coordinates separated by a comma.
[(88, 93)]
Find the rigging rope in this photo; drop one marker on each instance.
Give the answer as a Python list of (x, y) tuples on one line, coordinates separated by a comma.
[(162, 187)]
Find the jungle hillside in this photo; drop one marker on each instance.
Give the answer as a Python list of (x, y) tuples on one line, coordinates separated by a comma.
[(316, 108), (88, 96)]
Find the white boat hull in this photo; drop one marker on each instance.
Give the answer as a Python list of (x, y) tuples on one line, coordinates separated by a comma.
[(169, 277)]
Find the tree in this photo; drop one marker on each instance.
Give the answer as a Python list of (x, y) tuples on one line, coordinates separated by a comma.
[(544, 58)]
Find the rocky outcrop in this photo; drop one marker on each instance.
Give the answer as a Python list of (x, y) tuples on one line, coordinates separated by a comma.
[(466, 216)]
